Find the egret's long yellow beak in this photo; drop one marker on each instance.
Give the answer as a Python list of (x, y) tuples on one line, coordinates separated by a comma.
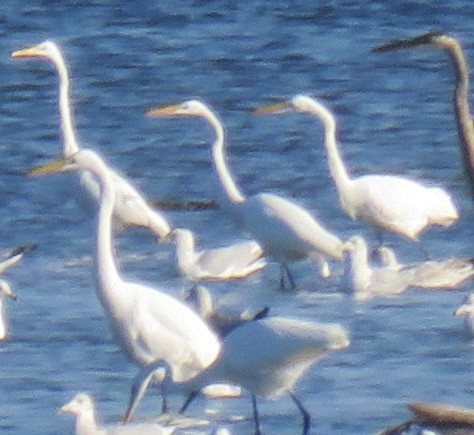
[(273, 108), (50, 168), (164, 111), (27, 52)]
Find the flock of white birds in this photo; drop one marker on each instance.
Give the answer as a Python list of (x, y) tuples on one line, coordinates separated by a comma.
[(189, 347)]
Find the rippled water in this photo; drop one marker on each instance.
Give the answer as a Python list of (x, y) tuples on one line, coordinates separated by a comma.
[(395, 115)]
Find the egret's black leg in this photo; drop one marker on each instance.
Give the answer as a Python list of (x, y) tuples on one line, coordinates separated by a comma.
[(258, 429), (304, 413), (164, 404), (188, 401), (285, 272)]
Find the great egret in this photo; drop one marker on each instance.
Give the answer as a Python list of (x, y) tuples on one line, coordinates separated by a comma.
[(369, 281), (12, 258), (447, 274), (266, 357), (461, 92), (83, 407), (466, 310), (286, 230), (130, 208), (222, 323), (225, 263), (148, 323), (392, 203)]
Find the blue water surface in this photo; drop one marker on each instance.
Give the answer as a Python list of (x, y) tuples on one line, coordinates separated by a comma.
[(395, 114)]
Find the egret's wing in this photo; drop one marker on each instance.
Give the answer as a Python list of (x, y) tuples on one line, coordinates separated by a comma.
[(389, 281)]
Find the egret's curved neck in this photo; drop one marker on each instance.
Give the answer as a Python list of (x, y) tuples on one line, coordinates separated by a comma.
[(337, 167), (3, 319), (360, 267), (106, 268), (462, 109), (218, 154), (70, 145), (185, 251)]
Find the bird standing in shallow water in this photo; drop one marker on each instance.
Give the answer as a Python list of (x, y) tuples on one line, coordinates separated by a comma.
[(266, 357), (286, 231), (130, 208), (391, 203), (148, 323), (461, 92)]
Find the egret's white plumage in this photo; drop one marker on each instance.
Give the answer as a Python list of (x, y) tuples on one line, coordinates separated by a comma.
[(223, 323), (224, 263), (466, 310), (287, 231), (443, 274), (5, 292), (392, 203), (130, 208), (148, 323), (83, 407), (267, 357)]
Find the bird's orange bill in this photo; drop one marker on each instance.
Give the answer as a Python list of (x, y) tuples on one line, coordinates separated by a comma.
[(164, 111), (26, 52), (273, 108), (49, 168)]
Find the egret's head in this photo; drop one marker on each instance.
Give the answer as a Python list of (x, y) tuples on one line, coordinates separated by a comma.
[(188, 108), (47, 50), (437, 38), (467, 308)]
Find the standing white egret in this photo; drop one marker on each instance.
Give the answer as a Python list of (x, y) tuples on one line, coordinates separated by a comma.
[(392, 203), (466, 310), (223, 323), (286, 230), (461, 92), (225, 263), (130, 208), (446, 274), (5, 292), (83, 407), (266, 357), (148, 323)]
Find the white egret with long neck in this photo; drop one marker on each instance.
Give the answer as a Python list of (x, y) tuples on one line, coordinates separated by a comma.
[(392, 203), (131, 208), (148, 323), (286, 230)]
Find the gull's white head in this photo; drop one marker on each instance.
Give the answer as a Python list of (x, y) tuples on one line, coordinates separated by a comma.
[(81, 403)]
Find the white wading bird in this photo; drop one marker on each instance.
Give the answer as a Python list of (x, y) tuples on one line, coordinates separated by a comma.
[(130, 207), (225, 263), (266, 357), (286, 231), (83, 407), (391, 203), (201, 298), (466, 310), (447, 274), (10, 259), (148, 323), (461, 92)]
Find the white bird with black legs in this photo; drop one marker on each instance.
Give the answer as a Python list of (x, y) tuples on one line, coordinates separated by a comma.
[(219, 264), (461, 96), (131, 207), (8, 260), (432, 274), (392, 203), (83, 407), (286, 231), (466, 310), (148, 323), (267, 357), (222, 322)]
